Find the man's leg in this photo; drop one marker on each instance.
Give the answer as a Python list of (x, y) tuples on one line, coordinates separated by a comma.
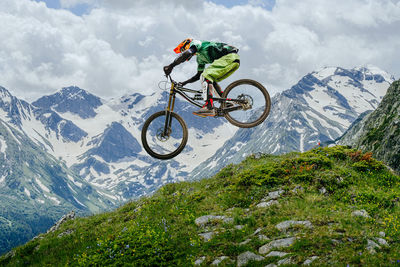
[(207, 109), (217, 71), (222, 68)]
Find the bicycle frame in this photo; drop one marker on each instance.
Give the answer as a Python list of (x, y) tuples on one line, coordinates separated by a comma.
[(182, 92)]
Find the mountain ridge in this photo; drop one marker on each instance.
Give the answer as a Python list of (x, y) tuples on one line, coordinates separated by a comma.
[(378, 131)]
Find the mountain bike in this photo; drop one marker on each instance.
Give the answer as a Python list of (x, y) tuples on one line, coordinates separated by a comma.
[(244, 103)]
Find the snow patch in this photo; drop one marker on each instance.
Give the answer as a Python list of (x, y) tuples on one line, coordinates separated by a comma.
[(26, 191), (3, 145), (54, 199), (80, 203), (41, 185)]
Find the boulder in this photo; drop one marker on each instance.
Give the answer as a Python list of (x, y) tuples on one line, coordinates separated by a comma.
[(276, 244), (203, 220), (247, 256), (283, 226)]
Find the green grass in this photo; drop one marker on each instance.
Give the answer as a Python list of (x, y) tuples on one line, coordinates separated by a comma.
[(160, 231)]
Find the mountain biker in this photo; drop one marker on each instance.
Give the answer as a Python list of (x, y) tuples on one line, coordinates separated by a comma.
[(223, 59)]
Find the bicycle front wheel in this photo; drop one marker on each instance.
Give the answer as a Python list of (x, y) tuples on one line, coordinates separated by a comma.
[(249, 103), (164, 142)]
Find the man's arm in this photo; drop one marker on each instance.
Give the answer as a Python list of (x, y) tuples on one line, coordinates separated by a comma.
[(182, 58), (193, 79)]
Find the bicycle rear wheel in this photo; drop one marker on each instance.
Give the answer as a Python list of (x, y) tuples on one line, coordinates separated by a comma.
[(254, 105), (163, 145)]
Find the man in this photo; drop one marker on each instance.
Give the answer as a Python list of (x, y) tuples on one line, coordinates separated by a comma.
[(223, 60)]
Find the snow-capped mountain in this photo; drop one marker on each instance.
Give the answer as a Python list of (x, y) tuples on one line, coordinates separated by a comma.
[(106, 149), (319, 108), (36, 189), (72, 99)]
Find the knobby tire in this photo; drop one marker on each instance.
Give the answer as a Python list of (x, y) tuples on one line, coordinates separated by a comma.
[(267, 98), (180, 147)]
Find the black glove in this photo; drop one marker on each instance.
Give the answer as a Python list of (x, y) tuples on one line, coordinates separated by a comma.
[(168, 69)]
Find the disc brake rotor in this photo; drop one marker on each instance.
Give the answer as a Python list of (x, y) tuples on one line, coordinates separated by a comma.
[(161, 136), (248, 101)]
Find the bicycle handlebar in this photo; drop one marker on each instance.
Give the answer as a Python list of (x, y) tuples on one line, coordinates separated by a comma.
[(172, 81), (170, 78)]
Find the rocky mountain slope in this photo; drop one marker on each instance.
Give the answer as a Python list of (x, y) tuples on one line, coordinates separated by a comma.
[(334, 206), (319, 108), (379, 131), (36, 189)]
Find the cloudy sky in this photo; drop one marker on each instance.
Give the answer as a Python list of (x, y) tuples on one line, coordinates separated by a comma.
[(117, 47)]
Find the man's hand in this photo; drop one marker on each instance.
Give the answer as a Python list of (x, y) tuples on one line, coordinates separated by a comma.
[(168, 70)]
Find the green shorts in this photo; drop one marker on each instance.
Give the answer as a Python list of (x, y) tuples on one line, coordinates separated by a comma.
[(222, 68)]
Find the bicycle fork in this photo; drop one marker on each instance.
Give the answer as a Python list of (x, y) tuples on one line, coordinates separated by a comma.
[(170, 109)]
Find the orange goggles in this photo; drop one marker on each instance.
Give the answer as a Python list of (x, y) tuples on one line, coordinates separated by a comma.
[(183, 46)]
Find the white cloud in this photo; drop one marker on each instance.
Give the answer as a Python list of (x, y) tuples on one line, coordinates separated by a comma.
[(120, 46)]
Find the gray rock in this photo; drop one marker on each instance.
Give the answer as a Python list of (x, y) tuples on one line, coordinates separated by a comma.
[(64, 219), (265, 204), (207, 236), (227, 220), (277, 254), (245, 242), (257, 155), (239, 227), (298, 189), (360, 213), (218, 260), (322, 190), (371, 246), (200, 260), (310, 260), (283, 226), (382, 234), (280, 243), (247, 256), (286, 261), (68, 232), (230, 209), (203, 220), (273, 195), (382, 242), (257, 231), (10, 254), (263, 237), (39, 237), (271, 265)]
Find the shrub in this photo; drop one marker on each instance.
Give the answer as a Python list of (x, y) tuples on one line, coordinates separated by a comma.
[(261, 175), (368, 166)]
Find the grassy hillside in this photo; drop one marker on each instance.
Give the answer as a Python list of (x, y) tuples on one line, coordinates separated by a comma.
[(335, 206)]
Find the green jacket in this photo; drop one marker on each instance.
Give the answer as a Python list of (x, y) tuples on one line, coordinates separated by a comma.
[(207, 52)]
